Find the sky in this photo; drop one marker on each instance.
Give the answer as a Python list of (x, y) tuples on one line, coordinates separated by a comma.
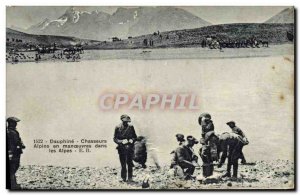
[(25, 16)]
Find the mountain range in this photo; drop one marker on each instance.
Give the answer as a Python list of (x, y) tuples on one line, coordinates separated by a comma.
[(285, 16), (124, 22), (127, 22)]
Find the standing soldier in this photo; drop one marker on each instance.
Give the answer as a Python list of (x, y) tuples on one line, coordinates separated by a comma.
[(208, 151), (125, 137), (239, 132), (206, 124), (15, 148)]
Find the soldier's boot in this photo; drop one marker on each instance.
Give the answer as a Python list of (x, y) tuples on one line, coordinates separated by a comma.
[(229, 165), (234, 176), (130, 180), (130, 173), (188, 177), (122, 180), (227, 174), (144, 166), (123, 173), (13, 182), (235, 169), (243, 161), (17, 187), (189, 173)]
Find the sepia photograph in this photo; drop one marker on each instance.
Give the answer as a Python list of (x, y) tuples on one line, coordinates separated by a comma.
[(152, 98)]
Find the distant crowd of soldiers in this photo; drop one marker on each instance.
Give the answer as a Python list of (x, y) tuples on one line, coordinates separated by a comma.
[(72, 54), (213, 42)]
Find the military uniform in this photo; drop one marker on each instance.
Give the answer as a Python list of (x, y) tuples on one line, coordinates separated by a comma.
[(208, 152), (140, 151), (186, 158), (231, 146), (239, 132), (208, 146), (125, 151), (181, 140), (207, 125), (15, 148)]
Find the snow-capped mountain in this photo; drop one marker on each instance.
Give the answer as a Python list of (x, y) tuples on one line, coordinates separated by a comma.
[(122, 23), (285, 16)]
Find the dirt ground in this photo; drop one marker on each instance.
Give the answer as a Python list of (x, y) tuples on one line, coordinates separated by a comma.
[(277, 174)]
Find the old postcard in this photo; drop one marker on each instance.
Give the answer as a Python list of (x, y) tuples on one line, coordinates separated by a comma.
[(150, 98)]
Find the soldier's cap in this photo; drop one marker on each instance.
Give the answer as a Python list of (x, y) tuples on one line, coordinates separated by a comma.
[(180, 137), (230, 122), (191, 138), (12, 119), (125, 118), (205, 115), (209, 134)]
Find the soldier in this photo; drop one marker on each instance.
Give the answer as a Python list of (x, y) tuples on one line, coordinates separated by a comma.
[(140, 151), (181, 141), (186, 158), (208, 128), (15, 148), (209, 152), (239, 132), (206, 123), (231, 146), (125, 137)]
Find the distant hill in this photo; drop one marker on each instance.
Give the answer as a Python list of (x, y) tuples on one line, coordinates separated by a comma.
[(122, 23), (273, 33), (285, 16), (18, 39), (13, 27)]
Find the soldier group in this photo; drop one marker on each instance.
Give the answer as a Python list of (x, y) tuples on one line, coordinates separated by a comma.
[(184, 159), (228, 144), (133, 148), (214, 42)]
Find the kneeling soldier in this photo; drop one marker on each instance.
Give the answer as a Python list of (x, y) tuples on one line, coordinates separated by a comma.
[(186, 157), (140, 151)]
